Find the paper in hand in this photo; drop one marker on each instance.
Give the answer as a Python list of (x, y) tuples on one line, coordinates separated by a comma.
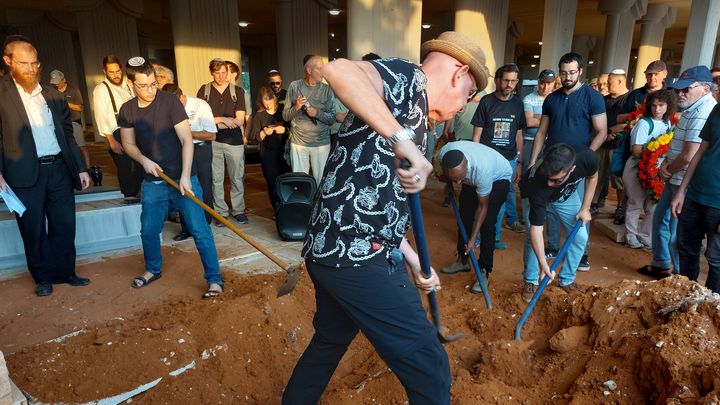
[(12, 201)]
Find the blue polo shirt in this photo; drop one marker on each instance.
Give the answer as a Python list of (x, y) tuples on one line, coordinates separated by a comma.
[(571, 115)]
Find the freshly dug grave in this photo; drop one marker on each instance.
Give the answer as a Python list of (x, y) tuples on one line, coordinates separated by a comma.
[(608, 345)]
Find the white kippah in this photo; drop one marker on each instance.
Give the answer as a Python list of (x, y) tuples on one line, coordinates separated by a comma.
[(136, 61), (617, 72)]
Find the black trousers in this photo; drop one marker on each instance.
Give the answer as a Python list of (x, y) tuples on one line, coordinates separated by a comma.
[(468, 206), (698, 221), (202, 160), (129, 172), (273, 164), (49, 254), (380, 300)]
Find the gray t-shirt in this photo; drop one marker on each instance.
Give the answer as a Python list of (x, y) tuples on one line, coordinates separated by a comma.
[(302, 130), (485, 165)]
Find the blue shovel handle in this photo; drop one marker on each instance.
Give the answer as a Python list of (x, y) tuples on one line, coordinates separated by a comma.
[(476, 267), (545, 281)]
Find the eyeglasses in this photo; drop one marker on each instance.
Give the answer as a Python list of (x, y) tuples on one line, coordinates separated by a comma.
[(569, 73), (275, 83), (688, 88), (147, 87), (509, 81), (26, 65)]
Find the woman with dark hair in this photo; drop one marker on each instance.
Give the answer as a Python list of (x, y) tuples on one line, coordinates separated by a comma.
[(660, 105), (268, 128)]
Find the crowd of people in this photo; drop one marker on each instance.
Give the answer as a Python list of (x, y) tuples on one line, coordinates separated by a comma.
[(349, 124)]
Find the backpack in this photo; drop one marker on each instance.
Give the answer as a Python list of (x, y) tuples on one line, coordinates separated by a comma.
[(622, 153), (206, 96)]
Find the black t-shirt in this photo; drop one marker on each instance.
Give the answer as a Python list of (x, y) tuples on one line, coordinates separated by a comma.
[(155, 134), (634, 99), (534, 187), (614, 107), (262, 119), (222, 105), (500, 121)]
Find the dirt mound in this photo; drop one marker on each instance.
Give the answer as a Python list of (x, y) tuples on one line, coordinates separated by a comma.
[(631, 342)]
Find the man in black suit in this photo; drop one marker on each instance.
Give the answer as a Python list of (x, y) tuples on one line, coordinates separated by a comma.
[(42, 163)]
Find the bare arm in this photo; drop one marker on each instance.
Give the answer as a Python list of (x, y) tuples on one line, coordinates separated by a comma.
[(539, 141), (679, 198), (182, 129), (127, 135), (203, 135), (75, 107), (538, 246), (413, 262), (689, 151), (590, 185), (532, 120), (477, 134), (600, 125)]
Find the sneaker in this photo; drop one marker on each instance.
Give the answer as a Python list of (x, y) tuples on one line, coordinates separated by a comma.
[(584, 264), (516, 227), (500, 245), (476, 289), (632, 242), (456, 267), (220, 224), (572, 288), (645, 242), (242, 218), (528, 292), (551, 253)]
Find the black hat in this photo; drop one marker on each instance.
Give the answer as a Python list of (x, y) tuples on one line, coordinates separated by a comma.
[(546, 76)]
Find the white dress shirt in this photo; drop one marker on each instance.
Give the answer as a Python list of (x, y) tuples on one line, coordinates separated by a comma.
[(102, 106), (41, 121)]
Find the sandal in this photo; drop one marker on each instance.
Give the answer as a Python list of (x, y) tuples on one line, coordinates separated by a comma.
[(654, 272), (213, 293), (140, 282)]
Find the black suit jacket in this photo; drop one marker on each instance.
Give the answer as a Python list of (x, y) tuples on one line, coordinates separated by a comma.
[(18, 155)]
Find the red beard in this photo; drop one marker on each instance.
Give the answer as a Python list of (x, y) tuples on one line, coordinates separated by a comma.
[(27, 81)]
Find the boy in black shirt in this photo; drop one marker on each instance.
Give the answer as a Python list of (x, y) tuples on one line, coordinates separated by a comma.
[(554, 180)]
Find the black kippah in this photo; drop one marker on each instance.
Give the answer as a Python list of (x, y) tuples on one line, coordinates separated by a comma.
[(452, 159)]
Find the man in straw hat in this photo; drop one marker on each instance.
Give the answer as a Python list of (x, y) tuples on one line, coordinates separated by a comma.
[(356, 252)]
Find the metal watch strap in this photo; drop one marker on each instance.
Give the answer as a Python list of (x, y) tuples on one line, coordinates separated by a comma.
[(405, 134)]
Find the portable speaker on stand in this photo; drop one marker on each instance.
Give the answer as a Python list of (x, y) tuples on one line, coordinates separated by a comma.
[(294, 196)]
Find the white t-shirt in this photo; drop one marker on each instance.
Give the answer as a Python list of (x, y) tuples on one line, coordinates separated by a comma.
[(640, 134), (200, 115)]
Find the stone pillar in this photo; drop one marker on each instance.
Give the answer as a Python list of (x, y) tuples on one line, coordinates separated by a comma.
[(514, 31), (203, 31), (701, 34), (388, 28), (621, 58), (652, 30), (301, 30), (485, 21), (557, 35), (716, 60), (613, 10), (584, 46)]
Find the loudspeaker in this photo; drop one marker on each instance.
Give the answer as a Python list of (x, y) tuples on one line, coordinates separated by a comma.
[(294, 195)]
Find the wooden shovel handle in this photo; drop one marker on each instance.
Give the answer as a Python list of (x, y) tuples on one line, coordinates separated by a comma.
[(227, 223)]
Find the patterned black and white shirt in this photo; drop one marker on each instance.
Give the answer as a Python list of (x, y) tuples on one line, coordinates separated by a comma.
[(361, 212)]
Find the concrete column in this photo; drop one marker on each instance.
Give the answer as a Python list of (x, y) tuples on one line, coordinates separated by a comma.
[(701, 34), (203, 31), (613, 10), (716, 61), (514, 31), (621, 58), (558, 32), (104, 29), (652, 30), (485, 21), (301, 30), (584, 46), (386, 27)]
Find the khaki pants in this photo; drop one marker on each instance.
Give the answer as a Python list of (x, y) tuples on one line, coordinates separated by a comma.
[(305, 158), (231, 157)]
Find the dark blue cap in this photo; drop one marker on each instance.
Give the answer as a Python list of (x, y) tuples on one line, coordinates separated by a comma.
[(694, 74)]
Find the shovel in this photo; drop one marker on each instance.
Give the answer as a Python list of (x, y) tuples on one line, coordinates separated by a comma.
[(463, 233), (292, 271), (419, 231), (545, 281)]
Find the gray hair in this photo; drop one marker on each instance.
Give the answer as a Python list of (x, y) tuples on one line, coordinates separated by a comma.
[(164, 71)]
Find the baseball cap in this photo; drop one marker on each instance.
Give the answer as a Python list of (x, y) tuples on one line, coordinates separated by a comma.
[(462, 48), (694, 74), (656, 66), (547, 76), (56, 77)]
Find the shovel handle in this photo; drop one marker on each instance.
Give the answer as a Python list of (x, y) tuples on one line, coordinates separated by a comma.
[(545, 281), (228, 224)]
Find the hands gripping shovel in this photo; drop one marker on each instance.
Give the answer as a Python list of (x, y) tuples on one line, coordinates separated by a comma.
[(292, 271), (545, 281)]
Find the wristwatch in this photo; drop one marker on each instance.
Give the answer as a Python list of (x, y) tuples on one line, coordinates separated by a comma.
[(405, 134)]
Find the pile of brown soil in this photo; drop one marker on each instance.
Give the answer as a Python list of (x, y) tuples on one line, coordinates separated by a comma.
[(608, 345)]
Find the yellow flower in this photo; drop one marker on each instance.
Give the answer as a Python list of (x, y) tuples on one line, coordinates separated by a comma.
[(653, 145), (665, 139)]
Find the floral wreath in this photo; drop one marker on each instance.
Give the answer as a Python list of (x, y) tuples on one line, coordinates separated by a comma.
[(632, 120), (647, 165)]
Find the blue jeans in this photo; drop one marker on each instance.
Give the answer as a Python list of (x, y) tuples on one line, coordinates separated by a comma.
[(509, 206), (552, 223), (566, 212), (664, 233), (696, 222), (155, 198)]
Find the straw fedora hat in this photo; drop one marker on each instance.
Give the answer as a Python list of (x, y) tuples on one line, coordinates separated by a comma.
[(462, 48)]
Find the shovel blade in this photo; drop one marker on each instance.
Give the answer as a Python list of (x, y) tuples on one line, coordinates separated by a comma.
[(290, 281)]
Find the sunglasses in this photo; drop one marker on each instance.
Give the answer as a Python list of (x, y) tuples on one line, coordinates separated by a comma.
[(560, 180), (275, 83)]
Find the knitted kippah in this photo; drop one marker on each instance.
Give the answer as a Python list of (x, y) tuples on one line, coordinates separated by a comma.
[(136, 61)]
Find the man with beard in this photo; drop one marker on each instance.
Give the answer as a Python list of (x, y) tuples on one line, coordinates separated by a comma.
[(40, 160), (108, 96), (575, 115)]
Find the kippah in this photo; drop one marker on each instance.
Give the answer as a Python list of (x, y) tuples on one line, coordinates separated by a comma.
[(272, 71), (136, 61), (452, 159), (617, 72)]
